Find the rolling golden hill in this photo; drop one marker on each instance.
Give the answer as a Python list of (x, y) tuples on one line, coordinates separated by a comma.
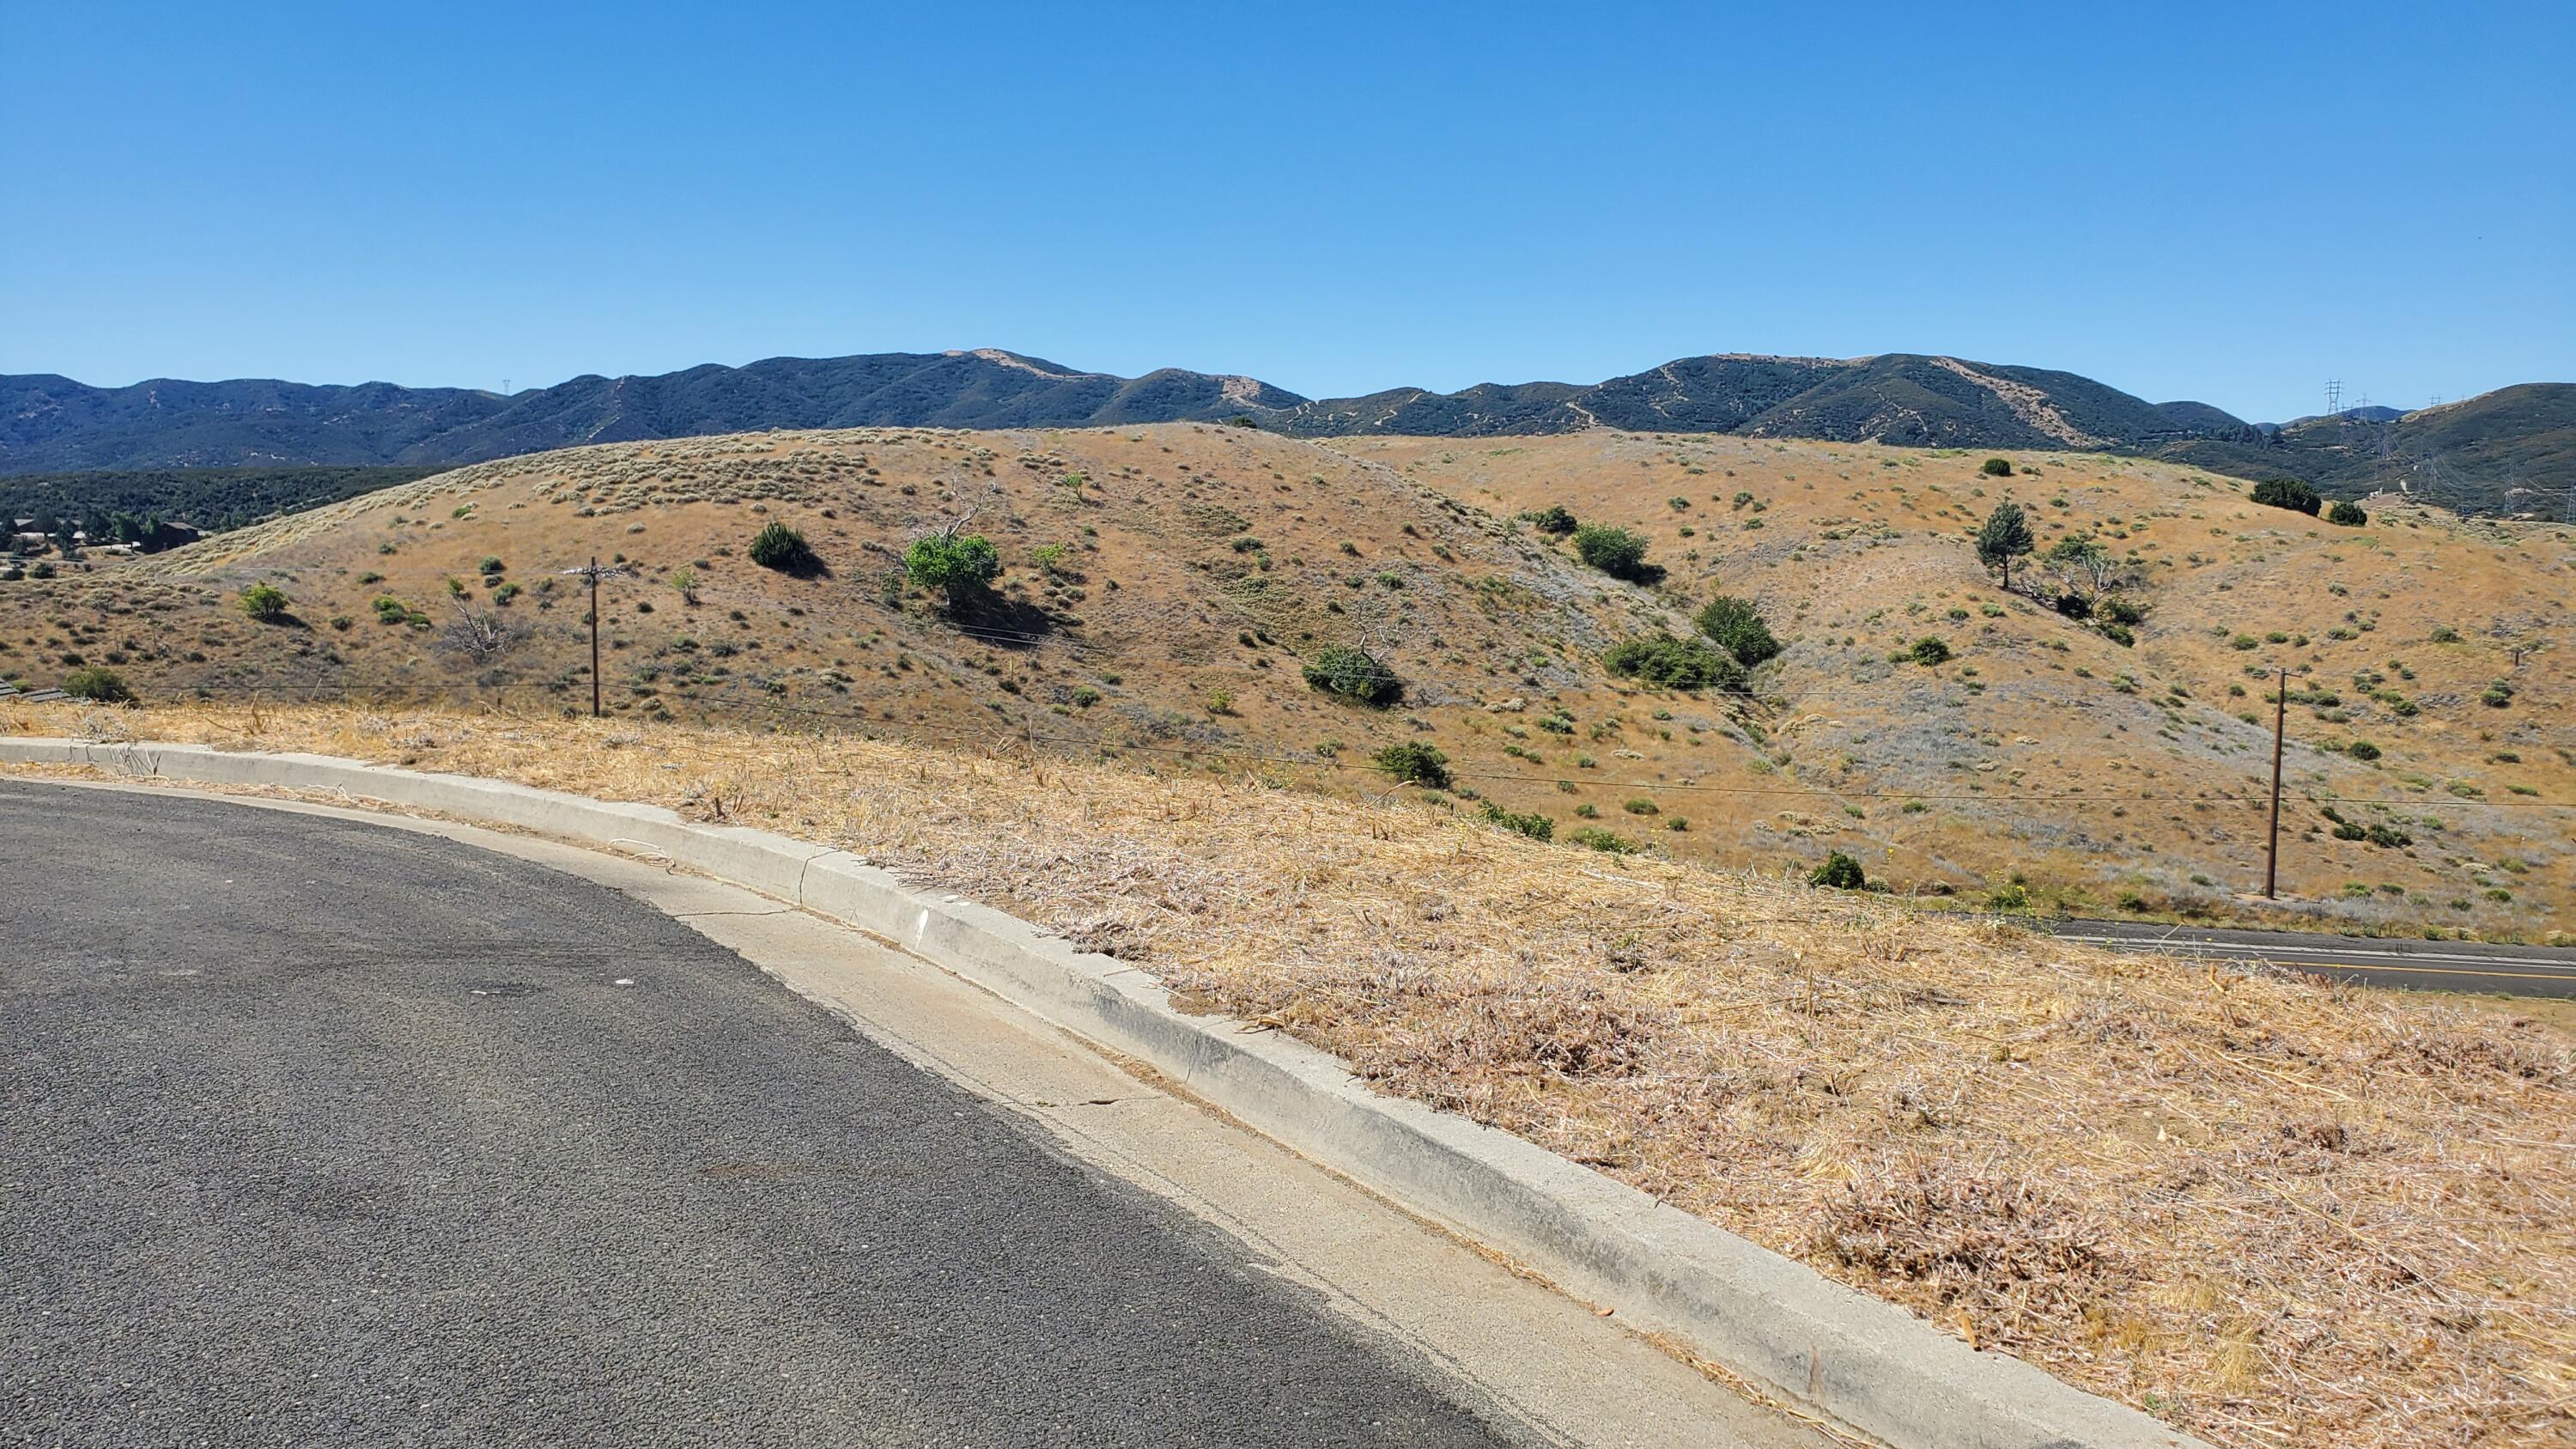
[(1165, 586)]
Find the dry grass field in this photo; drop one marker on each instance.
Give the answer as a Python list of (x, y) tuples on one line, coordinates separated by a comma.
[(1164, 584), (2266, 1209)]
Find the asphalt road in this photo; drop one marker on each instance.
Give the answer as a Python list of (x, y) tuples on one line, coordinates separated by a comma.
[(313, 1132), (2372, 961)]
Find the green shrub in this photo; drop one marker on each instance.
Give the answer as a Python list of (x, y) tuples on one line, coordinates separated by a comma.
[(1353, 674), (1674, 663), (99, 685), (2498, 695), (1996, 468), (2288, 493), (264, 601), (2009, 897), (1840, 872), (1593, 837), (1738, 629), (2350, 515), (779, 547), (1552, 519), (390, 610), (963, 565), (1531, 823), (1928, 650), (1415, 763), (1642, 806), (1615, 551), (2362, 750), (2389, 836), (490, 565)]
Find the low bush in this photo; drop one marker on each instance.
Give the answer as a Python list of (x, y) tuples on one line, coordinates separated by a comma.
[(1415, 763), (2350, 515), (2288, 493), (1353, 674), (1928, 650), (98, 684), (1529, 823), (1996, 468), (1615, 551), (1738, 628), (1674, 663), (1551, 519), (779, 547), (1593, 837), (2362, 750)]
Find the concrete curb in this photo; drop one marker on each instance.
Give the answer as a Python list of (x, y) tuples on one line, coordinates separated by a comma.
[(1851, 1357)]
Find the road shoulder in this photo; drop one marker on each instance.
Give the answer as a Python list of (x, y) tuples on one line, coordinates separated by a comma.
[(1527, 1356)]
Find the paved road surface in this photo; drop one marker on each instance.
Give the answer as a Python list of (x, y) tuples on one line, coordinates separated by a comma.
[(2373, 961), (313, 1132)]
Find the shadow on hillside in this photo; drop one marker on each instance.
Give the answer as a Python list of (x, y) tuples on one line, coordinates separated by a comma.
[(1007, 622)]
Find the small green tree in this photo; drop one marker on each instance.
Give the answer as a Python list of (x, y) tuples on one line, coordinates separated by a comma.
[(1615, 551), (1415, 763), (2350, 515), (1738, 629), (1839, 872), (684, 581), (2288, 493), (963, 565), (779, 547), (2003, 537), (1996, 468), (264, 601), (1931, 649), (1353, 674)]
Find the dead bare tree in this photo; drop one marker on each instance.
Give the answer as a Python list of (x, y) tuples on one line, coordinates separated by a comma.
[(478, 634)]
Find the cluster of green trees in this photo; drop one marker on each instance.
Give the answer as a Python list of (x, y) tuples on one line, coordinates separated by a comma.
[(1734, 640)]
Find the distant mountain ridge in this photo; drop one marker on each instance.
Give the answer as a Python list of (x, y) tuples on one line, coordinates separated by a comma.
[(50, 423)]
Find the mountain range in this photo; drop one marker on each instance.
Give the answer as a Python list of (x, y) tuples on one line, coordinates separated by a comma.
[(2477, 452)]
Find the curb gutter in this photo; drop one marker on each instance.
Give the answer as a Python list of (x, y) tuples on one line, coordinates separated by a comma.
[(1837, 1351)]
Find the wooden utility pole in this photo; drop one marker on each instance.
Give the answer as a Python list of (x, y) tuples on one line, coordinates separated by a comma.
[(593, 574), (2272, 853)]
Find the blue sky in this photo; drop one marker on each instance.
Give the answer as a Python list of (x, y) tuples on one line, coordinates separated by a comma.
[(2227, 202)]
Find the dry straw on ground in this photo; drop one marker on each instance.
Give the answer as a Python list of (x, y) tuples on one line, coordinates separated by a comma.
[(2267, 1210)]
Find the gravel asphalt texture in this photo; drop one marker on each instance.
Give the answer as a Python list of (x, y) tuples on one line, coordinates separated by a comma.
[(314, 1132)]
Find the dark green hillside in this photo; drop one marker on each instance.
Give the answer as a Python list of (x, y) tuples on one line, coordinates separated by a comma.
[(211, 498), (2508, 451)]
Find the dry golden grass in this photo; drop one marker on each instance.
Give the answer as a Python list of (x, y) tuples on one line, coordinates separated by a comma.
[(1199, 566), (2269, 1210)]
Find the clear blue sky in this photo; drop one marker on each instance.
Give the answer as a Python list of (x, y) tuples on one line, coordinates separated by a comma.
[(2231, 203)]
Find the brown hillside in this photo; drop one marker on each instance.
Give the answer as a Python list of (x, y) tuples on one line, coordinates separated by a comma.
[(1200, 566)]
